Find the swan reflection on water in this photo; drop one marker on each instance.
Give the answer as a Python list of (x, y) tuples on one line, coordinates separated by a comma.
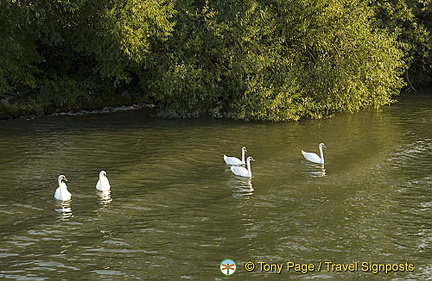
[(104, 197), (241, 187), (314, 170), (321, 172), (64, 210)]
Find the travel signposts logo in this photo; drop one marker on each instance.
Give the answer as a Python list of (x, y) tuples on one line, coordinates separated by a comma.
[(228, 267)]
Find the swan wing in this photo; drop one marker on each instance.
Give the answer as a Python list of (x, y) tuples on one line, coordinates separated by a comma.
[(240, 171), (103, 184), (62, 193), (232, 161), (57, 194), (99, 185), (313, 157)]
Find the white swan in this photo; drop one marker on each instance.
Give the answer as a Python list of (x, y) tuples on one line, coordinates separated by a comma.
[(103, 182), (313, 157), (62, 192), (242, 171), (234, 161)]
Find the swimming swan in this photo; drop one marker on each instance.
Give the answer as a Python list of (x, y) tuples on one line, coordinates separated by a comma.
[(242, 171), (313, 157), (103, 182), (62, 192), (234, 161)]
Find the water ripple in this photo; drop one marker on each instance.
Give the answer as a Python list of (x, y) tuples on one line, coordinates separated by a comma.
[(172, 196)]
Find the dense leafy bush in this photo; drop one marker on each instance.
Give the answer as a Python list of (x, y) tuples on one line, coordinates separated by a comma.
[(250, 60), (276, 60)]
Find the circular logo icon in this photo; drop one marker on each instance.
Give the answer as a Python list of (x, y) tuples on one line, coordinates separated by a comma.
[(228, 267), (249, 266)]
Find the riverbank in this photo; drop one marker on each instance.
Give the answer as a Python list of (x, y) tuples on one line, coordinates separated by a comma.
[(13, 106)]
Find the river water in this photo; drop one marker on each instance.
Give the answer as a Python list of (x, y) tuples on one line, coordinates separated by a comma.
[(175, 210)]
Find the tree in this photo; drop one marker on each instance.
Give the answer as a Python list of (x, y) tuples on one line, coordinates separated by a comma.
[(411, 22), (276, 60), (69, 52), (251, 60), (101, 44), (18, 54)]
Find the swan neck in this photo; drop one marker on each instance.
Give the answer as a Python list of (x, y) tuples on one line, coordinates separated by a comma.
[(249, 168), (243, 155), (62, 185), (322, 154)]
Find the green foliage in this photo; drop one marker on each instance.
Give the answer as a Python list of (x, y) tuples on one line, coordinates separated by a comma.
[(120, 36), (277, 60), (76, 47), (251, 60), (17, 49), (411, 22), (350, 65)]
